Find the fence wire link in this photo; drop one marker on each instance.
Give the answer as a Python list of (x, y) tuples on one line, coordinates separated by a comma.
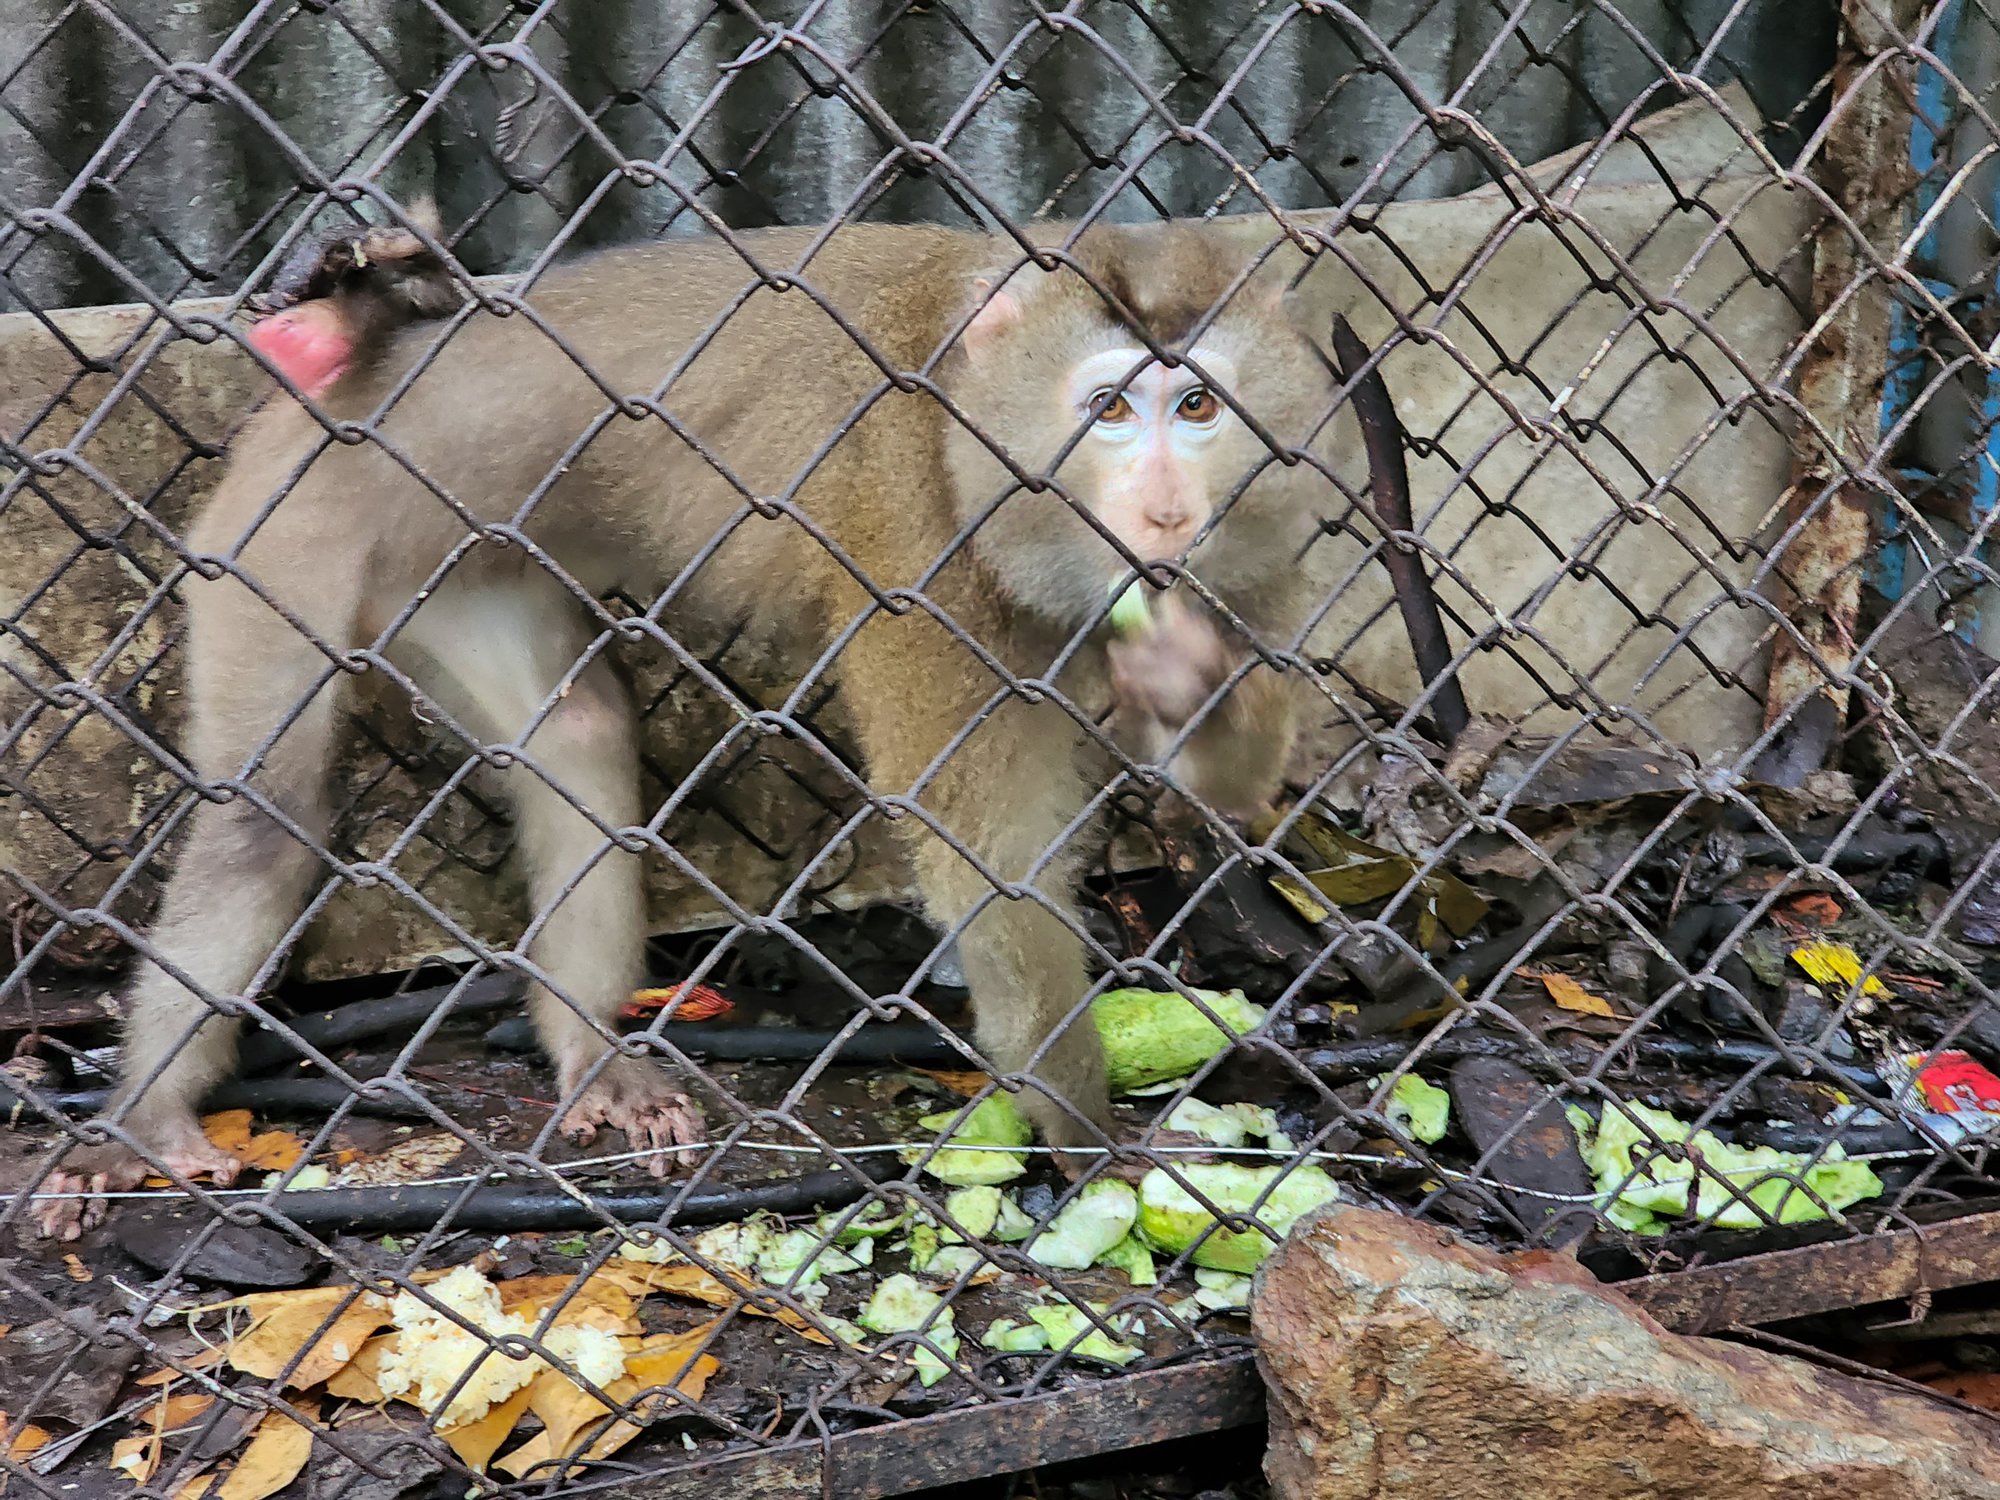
[(1686, 313)]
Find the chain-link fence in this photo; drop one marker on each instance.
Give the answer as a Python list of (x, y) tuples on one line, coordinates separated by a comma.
[(1629, 884)]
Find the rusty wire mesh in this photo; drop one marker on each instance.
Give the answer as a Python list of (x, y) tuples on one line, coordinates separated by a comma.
[(1653, 451)]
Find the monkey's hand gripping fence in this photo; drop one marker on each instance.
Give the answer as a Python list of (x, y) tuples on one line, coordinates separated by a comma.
[(1683, 312)]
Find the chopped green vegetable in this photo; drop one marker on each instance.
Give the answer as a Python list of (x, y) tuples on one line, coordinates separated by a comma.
[(576, 1245), (1009, 1336), (846, 1332), (1419, 1109), (1221, 1291), (738, 1245), (1172, 1219), (1228, 1126), (1066, 1325), (1095, 1220), (1131, 1256), (902, 1304), (1013, 1224), (1130, 612), (873, 1222), (806, 1252), (1769, 1179), (952, 1261), (1150, 1036), (975, 1209), (994, 1121)]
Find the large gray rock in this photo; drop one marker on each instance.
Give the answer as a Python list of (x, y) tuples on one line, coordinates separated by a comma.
[(1403, 1362)]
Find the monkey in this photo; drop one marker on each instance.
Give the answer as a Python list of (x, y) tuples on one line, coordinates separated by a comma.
[(916, 460), (339, 296)]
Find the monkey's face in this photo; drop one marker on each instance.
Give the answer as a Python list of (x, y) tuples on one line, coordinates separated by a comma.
[(1152, 436), (1149, 459)]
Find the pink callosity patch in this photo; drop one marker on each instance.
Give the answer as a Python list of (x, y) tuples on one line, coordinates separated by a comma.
[(306, 345)]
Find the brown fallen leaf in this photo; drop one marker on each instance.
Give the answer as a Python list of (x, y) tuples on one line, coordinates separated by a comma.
[(1808, 909), (276, 1456), (477, 1442), (178, 1411), (360, 1379), (1570, 995), (78, 1271), (272, 1151), (201, 1359), (965, 1084), (287, 1326), (136, 1457), (595, 1301), (24, 1442), (680, 1279)]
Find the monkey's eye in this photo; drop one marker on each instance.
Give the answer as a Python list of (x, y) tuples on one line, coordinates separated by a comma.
[(1111, 406), (1200, 405)]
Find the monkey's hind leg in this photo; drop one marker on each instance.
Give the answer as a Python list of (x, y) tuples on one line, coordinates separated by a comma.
[(263, 705), (508, 644)]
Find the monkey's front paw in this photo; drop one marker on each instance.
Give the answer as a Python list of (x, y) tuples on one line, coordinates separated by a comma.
[(1164, 673), (76, 1192), (635, 1097)]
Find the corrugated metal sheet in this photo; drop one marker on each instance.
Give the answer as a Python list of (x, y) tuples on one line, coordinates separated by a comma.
[(162, 147)]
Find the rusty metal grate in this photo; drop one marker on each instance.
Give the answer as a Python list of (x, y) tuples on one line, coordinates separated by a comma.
[(1683, 311)]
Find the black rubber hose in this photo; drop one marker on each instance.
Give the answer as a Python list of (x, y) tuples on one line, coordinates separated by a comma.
[(518, 1208)]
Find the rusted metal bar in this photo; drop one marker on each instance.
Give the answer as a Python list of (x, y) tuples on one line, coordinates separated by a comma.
[(1865, 168), (1760, 1289), (957, 1447)]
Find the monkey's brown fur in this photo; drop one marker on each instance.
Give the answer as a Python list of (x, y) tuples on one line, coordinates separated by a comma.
[(991, 785)]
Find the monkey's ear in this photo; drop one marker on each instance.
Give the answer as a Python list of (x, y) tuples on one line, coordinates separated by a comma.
[(999, 310)]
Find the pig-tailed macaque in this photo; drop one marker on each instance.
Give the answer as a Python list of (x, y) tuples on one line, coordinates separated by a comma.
[(666, 425)]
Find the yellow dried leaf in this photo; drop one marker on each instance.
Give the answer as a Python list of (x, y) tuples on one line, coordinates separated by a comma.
[(78, 1271), (201, 1359), (1570, 995), (272, 1151), (276, 1456), (1837, 964), (573, 1419), (596, 1301), (177, 1412), (25, 1443), (274, 1341), (136, 1457), (964, 1083), (196, 1487), (680, 1279), (669, 1362), (477, 1442), (360, 1378)]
